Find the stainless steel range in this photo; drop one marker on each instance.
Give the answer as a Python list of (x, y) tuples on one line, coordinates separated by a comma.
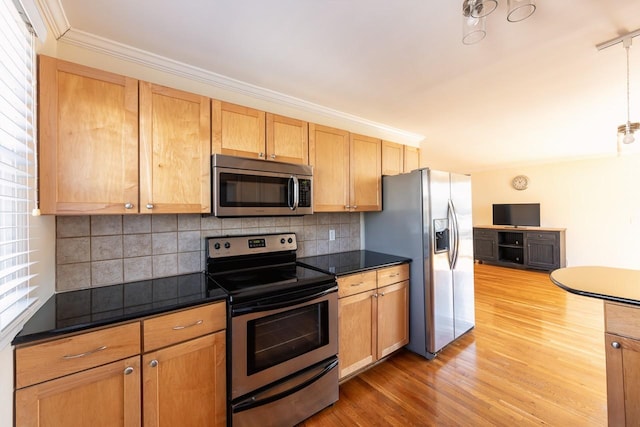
[(282, 343)]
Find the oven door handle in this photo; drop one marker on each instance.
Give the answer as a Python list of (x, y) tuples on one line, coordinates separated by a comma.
[(281, 304), (298, 383)]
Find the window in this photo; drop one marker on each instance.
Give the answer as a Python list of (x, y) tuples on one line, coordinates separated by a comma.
[(17, 165)]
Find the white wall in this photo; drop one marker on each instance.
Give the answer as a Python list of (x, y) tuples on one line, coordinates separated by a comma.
[(596, 200)]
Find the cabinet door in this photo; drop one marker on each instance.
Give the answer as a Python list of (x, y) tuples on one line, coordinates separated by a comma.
[(365, 173), (485, 244), (329, 156), (184, 385), (411, 158), (105, 396), (88, 140), (287, 139), (543, 250), (392, 158), (237, 130), (357, 333), (623, 380), (393, 318), (174, 151)]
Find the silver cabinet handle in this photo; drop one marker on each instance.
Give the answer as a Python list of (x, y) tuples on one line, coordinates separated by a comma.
[(177, 328), (355, 206), (153, 363), (381, 294), (375, 295), (273, 156), (128, 205), (128, 370), (87, 353), (261, 155), (149, 205), (615, 344), (347, 207)]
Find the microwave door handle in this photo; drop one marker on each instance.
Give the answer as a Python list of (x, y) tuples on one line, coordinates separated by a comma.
[(296, 192)]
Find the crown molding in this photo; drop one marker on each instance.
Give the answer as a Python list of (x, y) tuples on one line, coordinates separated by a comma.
[(55, 17), (128, 53)]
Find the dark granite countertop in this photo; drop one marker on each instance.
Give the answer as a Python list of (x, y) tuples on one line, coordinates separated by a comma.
[(84, 309), (343, 263)]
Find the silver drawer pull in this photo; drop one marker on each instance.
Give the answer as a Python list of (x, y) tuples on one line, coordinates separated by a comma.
[(75, 356), (177, 328), (128, 370), (357, 284), (394, 275)]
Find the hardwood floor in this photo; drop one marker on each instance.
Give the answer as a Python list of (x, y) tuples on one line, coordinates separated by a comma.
[(535, 357)]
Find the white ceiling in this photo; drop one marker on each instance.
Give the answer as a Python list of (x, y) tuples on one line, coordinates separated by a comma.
[(533, 91)]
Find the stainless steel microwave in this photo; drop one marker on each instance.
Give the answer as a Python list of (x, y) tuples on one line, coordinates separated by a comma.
[(251, 187)]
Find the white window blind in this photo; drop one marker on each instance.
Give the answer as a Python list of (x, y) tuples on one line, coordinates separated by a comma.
[(17, 163)]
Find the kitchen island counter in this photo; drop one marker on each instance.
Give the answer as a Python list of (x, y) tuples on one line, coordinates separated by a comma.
[(619, 288), (606, 283)]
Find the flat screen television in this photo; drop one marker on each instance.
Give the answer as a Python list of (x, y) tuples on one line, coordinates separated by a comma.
[(517, 214)]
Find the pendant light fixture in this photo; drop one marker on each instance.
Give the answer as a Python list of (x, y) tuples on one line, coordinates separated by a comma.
[(626, 132), (474, 13)]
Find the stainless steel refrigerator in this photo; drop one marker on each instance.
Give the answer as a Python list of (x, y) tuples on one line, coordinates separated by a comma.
[(426, 216)]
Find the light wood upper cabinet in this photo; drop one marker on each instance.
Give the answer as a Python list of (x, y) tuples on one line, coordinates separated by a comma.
[(329, 156), (174, 151), (346, 170), (411, 158), (392, 158), (110, 144), (287, 139), (88, 140), (365, 174), (247, 132), (237, 130)]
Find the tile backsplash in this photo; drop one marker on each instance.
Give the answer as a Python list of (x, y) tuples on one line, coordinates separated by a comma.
[(93, 251)]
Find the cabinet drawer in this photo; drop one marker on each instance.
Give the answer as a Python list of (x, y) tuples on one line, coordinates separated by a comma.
[(542, 236), (64, 356), (622, 320), (356, 283), (484, 232), (181, 326), (395, 274)]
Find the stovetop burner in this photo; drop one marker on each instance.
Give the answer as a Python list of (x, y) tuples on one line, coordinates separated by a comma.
[(260, 266)]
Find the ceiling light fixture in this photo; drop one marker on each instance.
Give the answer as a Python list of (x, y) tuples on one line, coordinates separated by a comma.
[(626, 132), (474, 13)]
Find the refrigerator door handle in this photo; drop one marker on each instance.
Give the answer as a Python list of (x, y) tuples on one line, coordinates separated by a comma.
[(453, 258)]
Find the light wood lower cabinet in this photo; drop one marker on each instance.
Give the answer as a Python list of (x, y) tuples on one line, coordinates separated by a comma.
[(373, 316), (96, 378), (105, 396), (622, 351), (183, 383)]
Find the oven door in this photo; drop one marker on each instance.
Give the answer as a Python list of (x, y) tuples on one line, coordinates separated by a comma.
[(278, 340), (238, 192)]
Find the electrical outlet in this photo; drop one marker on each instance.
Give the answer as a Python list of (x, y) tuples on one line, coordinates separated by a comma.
[(332, 234)]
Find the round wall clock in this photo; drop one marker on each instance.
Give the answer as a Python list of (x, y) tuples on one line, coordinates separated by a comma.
[(520, 182)]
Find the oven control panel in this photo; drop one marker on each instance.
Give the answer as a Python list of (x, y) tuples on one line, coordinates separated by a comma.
[(226, 246)]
